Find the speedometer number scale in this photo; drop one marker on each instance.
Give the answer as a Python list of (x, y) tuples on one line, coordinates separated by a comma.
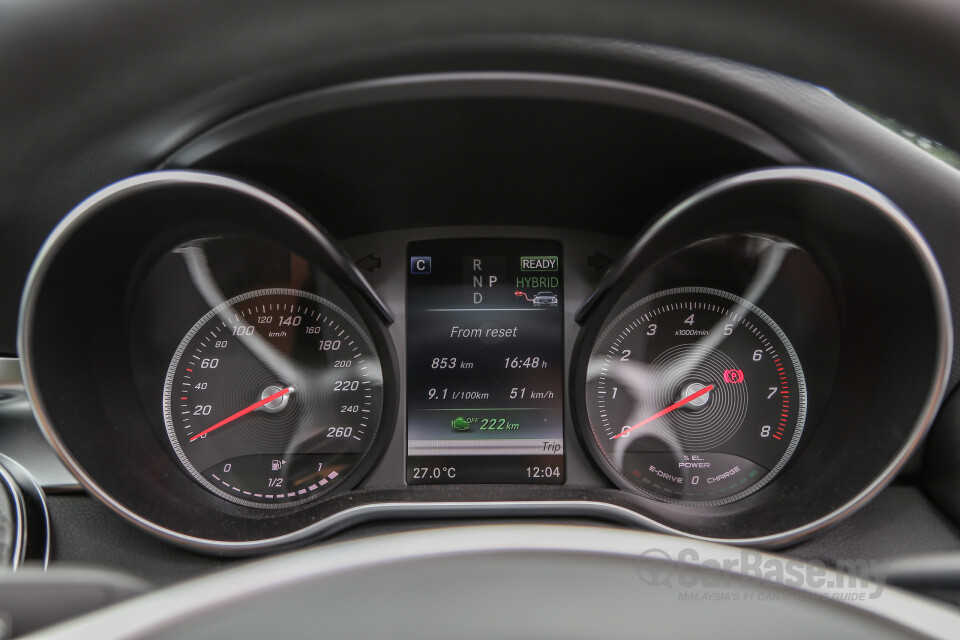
[(695, 395), (272, 396)]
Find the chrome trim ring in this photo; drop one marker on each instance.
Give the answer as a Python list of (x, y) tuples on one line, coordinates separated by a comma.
[(18, 544), (62, 233), (938, 292), (32, 538)]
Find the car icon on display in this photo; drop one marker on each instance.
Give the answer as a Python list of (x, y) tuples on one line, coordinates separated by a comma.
[(545, 299)]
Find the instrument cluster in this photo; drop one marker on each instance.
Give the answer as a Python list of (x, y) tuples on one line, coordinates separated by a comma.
[(235, 380), (419, 298)]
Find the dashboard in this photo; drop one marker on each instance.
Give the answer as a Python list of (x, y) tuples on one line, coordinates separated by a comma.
[(671, 294), (265, 382)]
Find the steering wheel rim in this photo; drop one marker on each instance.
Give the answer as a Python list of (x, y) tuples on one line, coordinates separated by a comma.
[(896, 56), (525, 581)]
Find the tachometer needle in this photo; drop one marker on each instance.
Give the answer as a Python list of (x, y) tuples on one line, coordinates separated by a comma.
[(243, 412), (676, 405)]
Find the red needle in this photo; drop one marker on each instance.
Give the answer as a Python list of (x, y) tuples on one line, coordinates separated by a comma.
[(676, 405), (243, 412)]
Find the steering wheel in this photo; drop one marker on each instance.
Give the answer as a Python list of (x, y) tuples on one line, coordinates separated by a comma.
[(521, 581)]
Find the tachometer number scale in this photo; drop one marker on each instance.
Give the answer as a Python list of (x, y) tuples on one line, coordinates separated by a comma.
[(695, 395)]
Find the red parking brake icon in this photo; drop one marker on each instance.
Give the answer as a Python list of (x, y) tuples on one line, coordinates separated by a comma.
[(733, 376)]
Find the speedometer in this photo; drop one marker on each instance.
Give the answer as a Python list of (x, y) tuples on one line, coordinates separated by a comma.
[(695, 395), (273, 397)]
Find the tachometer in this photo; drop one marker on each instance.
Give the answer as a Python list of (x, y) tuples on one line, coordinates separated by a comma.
[(694, 395), (273, 397)]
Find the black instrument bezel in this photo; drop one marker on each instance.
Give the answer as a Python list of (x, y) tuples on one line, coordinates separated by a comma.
[(859, 242), (95, 418)]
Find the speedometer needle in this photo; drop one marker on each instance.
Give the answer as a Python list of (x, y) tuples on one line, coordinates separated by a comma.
[(243, 412), (676, 405)]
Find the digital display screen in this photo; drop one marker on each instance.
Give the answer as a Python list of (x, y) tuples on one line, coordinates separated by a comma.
[(484, 362)]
